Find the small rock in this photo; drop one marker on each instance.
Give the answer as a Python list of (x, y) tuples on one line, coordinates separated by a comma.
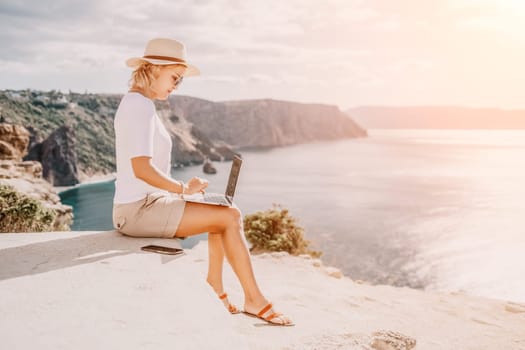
[(305, 256), (390, 340), (279, 254), (317, 262), (458, 292), (514, 307), (208, 167), (333, 272)]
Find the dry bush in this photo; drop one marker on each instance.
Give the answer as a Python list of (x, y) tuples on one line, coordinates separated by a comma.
[(276, 230)]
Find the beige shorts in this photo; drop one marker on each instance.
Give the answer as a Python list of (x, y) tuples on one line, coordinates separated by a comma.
[(157, 215)]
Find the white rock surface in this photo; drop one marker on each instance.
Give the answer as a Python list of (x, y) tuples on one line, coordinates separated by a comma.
[(98, 290)]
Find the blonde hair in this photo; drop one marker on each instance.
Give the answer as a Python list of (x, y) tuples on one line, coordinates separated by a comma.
[(144, 75)]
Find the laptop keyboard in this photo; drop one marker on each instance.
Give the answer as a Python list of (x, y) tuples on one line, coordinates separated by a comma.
[(215, 198)]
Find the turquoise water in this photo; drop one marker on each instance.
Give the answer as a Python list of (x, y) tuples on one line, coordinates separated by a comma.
[(440, 210)]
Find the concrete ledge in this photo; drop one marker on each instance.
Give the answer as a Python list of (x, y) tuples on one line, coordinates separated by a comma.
[(32, 253)]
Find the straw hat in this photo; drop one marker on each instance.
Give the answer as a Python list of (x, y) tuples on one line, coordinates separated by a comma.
[(162, 51)]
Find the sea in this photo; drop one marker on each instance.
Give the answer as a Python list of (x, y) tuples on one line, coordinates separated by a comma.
[(440, 210)]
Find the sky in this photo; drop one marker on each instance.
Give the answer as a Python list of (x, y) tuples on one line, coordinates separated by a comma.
[(342, 52)]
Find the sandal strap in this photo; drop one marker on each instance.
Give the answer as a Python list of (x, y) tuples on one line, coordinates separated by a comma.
[(264, 310), (223, 296), (272, 316)]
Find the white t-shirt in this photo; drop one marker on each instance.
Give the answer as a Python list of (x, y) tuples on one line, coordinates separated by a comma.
[(138, 132)]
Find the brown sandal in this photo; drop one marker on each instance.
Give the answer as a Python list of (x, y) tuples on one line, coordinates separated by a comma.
[(270, 317), (231, 308)]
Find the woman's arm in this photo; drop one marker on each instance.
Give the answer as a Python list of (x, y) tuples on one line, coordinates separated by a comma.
[(147, 172)]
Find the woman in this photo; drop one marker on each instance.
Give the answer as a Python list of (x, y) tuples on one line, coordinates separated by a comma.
[(148, 202)]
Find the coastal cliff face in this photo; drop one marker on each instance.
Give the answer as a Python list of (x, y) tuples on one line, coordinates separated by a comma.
[(266, 123), (58, 157), (190, 144), (72, 134), (26, 176)]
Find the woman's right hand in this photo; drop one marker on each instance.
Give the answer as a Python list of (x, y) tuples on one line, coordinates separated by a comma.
[(195, 185)]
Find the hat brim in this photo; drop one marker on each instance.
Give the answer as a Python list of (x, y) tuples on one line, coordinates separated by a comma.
[(191, 70)]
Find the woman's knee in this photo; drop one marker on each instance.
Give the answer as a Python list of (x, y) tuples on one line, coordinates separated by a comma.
[(234, 217), (229, 220)]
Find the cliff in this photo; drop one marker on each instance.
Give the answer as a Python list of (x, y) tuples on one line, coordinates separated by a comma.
[(266, 123), (58, 156), (26, 176)]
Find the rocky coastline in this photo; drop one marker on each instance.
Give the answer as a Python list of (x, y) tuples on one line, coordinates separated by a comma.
[(72, 134)]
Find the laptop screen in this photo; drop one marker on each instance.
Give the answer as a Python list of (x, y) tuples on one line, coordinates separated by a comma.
[(234, 175)]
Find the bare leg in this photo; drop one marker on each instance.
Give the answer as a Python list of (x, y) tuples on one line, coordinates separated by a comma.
[(200, 218), (215, 264), (238, 256)]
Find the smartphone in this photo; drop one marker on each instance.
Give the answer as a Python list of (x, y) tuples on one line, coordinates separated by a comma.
[(162, 250)]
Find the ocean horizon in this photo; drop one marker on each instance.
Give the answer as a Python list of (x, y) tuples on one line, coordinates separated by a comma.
[(431, 209)]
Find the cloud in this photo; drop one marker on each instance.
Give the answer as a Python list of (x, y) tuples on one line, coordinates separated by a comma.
[(262, 78), (279, 46), (222, 30), (64, 10)]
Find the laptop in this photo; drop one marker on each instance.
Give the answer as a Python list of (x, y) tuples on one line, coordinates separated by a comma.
[(217, 198)]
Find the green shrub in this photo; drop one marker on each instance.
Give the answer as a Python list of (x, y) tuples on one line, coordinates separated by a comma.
[(20, 213), (276, 230)]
